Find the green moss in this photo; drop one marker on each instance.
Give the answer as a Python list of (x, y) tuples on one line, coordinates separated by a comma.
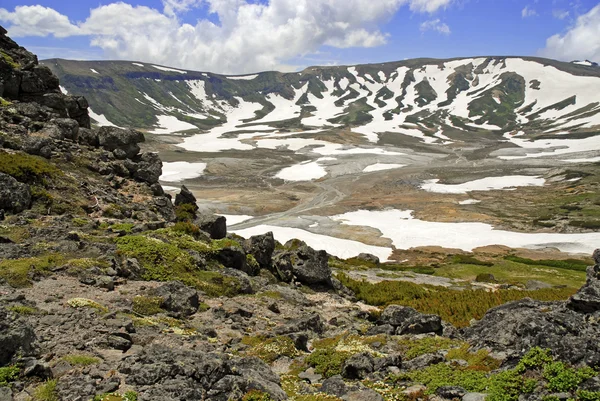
[(19, 272), (8, 374), (81, 359), (255, 395), (508, 385), (440, 375), (187, 227), (469, 260), (86, 303), (413, 347), (4, 102), (24, 310), (251, 262), (46, 391), (535, 358), (585, 395), (27, 168), (147, 306), (271, 349), (126, 227), (80, 222), (562, 378), (128, 396), (478, 360), (165, 261), (75, 266), (8, 59), (568, 264), (186, 212)]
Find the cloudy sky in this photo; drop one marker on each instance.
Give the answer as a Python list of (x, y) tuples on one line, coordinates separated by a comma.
[(243, 36)]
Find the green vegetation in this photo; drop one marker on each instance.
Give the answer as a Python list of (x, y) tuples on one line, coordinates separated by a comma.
[(456, 307), (185, 212), (25, 310), (165, 261), (81, 359), (19, 272), (147, 306), (414, 347), (568, 264), (27, 168), (78, 303), (256, 395), (4, 102), (8, 374), (126, 227), (439, 375), (46, 391), (8, 59), (469, 260), (128, 396), (270, 349), (187, 228)]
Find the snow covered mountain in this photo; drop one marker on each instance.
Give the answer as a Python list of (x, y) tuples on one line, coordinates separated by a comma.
[(432, 100)]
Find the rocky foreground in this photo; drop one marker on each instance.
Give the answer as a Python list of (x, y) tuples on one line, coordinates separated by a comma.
[(111, 291)]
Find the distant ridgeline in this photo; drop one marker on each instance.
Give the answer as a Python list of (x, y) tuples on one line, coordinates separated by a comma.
[(428, 95)]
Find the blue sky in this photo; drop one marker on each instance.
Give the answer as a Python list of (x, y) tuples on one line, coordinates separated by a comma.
[(243, 36)]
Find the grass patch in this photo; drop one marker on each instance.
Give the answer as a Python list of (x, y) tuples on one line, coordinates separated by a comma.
[(271, 349), (78, 303), (25, 310), (147, 306), (469, 260), (27, 168), (20, 272), (81, 360), (456, 307), (440, 375), (568, 264), (414, 347), (46, 392), (8, 374)]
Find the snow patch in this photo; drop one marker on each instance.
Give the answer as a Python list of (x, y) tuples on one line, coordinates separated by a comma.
[(381, 167), (170, 124), (243, 77), (179, 171), (94, 71), (100, 119), (483, 184), (233, 219), (138, 64), (302, 172), (168, 69)]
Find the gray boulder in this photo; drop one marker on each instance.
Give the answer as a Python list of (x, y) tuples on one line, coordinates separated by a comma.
[(358, 366), (112, 138), (178, 299), (306, 265), (68, 127), (16, 336), (407, 320), (149, 168), (262, 248), (367, 257), (185, 197), (14, 196), (587, 299), (215, 226)]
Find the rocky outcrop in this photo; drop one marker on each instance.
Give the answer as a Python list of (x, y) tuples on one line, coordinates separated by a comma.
[(566, 328), (300, 262), (261, 247), (178, 299), (406, 320), (215, 226), (14, 196), (15, 336), (122, 142)]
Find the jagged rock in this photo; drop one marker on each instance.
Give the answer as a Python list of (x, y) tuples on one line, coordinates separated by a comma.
[(262, 248), (423, 361), (35, 367), (451, 392), (394, 360), (233, 257), (88, 137), (15, 336), (596, 256), (306, 265), (215, 226), (149, 168), (312, 323), (185, 197), (367, 257), (408, 321), (587, 299), (516, 327), (112, 138), (358, 366), (120, 341), (38, 145), (68, 127), (335, 385), (14, 196), (178, 299), (6, 394)]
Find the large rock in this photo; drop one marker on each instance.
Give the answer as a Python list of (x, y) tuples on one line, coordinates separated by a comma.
[(149, 168), (126, 140), (587, 299), (185, 197), (358, 366), (16, 337), (407, 320), (14, 196), (178, 299), (516, 327), (262, 248), (306, 265), (215, 226)]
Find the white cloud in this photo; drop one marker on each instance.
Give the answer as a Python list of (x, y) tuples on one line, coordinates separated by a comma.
[(435, 25), (251, 36), (579, 42), (38, 21), (528, 12), (561, 14)]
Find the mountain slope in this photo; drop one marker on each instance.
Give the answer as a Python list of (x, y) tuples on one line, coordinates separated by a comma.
[(426, 98)]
